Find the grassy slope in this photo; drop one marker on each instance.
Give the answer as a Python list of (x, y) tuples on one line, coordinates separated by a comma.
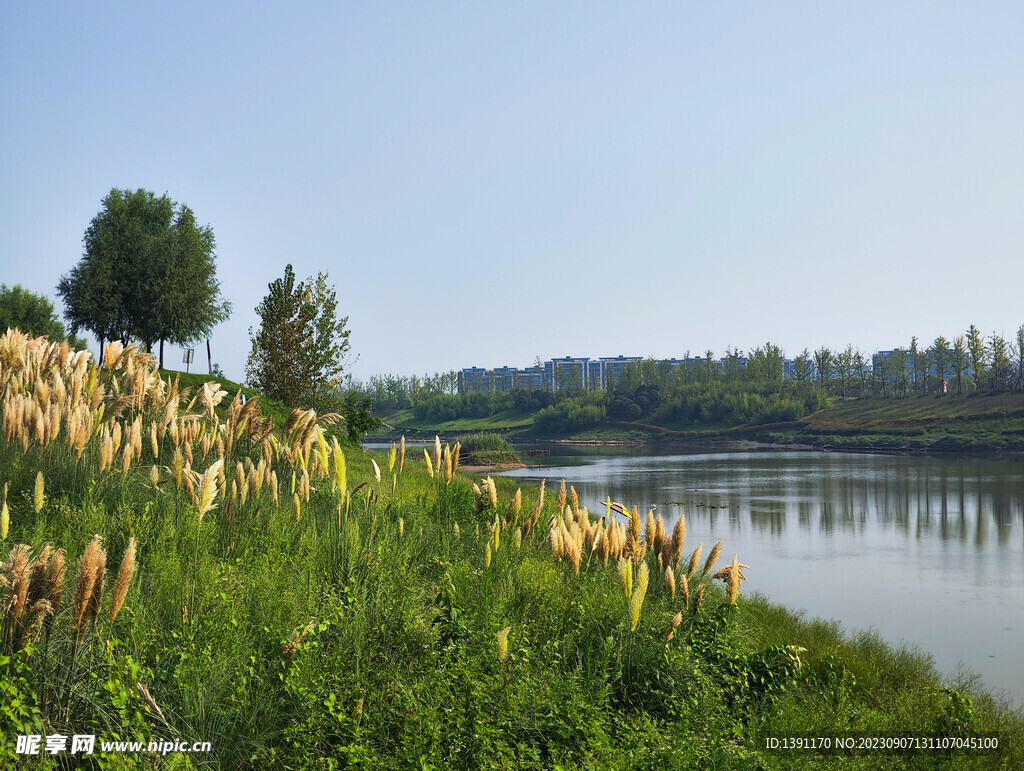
[(195, 380), (406, 422), (965, 422), (976, 422)]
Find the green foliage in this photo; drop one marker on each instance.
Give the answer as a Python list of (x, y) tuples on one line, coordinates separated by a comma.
[(571, 415), (485, 449), (31, 313), (298, 352), (148, 273)]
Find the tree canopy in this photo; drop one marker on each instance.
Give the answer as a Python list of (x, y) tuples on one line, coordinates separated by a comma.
[(148, 274), (31, 313), (298, 352)]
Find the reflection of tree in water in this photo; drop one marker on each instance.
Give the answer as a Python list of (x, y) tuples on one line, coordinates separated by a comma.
[(945, 498)]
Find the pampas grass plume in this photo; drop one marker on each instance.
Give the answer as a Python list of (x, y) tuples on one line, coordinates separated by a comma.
[(39, 498), (124, 578)]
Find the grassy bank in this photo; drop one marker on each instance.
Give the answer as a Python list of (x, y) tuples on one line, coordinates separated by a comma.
[(301, 605), (979, 422)]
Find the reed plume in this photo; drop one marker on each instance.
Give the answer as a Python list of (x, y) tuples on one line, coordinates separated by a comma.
[(38, 498), (684, 590), (561, 497), (678, 535), (649, 528), (17, 580), (401, 455), (698, 598), (732, 581), (339, 465), (89, 607), (636, 602), (207, 492), (624, 567), (694, 561), (712, 558), (124, 578), (670, 579), (677, 619), (5, 516), (376, 470), (54, 586), (38, 613), (492, 492), (437, 452), (430, 463), (503, 644), (391, 458)]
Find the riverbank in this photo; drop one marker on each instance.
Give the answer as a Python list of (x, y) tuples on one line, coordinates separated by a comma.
[(975, 423)]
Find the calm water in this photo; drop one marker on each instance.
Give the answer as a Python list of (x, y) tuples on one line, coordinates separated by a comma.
[(927, 550)]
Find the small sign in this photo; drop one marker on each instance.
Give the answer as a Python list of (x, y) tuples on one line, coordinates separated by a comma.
[(189, 353)]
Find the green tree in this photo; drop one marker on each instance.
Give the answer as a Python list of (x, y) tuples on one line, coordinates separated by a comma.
[(802, 368), (999, 362), (148, 274), (765, 365), (976, 353), (959, 364), (299, 351), (31, 313), (824, 364), (1018, 353), (898, 372), (940, 352)]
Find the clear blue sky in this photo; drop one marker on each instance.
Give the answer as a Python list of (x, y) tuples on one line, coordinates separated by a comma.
[(490, 182)]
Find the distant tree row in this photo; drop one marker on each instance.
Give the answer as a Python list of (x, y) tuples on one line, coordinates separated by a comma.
[(757, 388)]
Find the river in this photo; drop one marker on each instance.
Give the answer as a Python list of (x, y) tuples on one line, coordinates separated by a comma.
[(927, 550)]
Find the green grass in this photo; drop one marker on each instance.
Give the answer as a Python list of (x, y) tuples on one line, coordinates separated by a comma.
[(404, 422), (195, 380), (975, 422), (966, 422), (486, 450)]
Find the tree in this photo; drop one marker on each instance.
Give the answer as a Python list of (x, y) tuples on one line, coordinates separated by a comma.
[(824, 364), (298, 353), (940, 350), (959, 364), (803, 366), (976, 352), (1000, 364), (31, 313), (148, 274), (1018, 353)]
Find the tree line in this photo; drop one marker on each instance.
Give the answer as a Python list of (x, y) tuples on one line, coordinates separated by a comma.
[(757, 388)]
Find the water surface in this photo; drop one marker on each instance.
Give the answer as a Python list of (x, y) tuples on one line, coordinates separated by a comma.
[(928, 550)]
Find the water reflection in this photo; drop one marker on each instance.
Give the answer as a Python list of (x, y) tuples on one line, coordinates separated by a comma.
[(939, 538)]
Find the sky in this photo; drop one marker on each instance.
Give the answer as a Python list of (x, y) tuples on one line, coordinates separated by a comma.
[(488, 183)]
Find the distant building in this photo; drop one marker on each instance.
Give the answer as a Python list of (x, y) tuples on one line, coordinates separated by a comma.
[(566, 372), (611, 368)]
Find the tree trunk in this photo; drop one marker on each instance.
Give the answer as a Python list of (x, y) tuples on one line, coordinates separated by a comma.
[(102, 341), (209, 357), (161, 353)]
